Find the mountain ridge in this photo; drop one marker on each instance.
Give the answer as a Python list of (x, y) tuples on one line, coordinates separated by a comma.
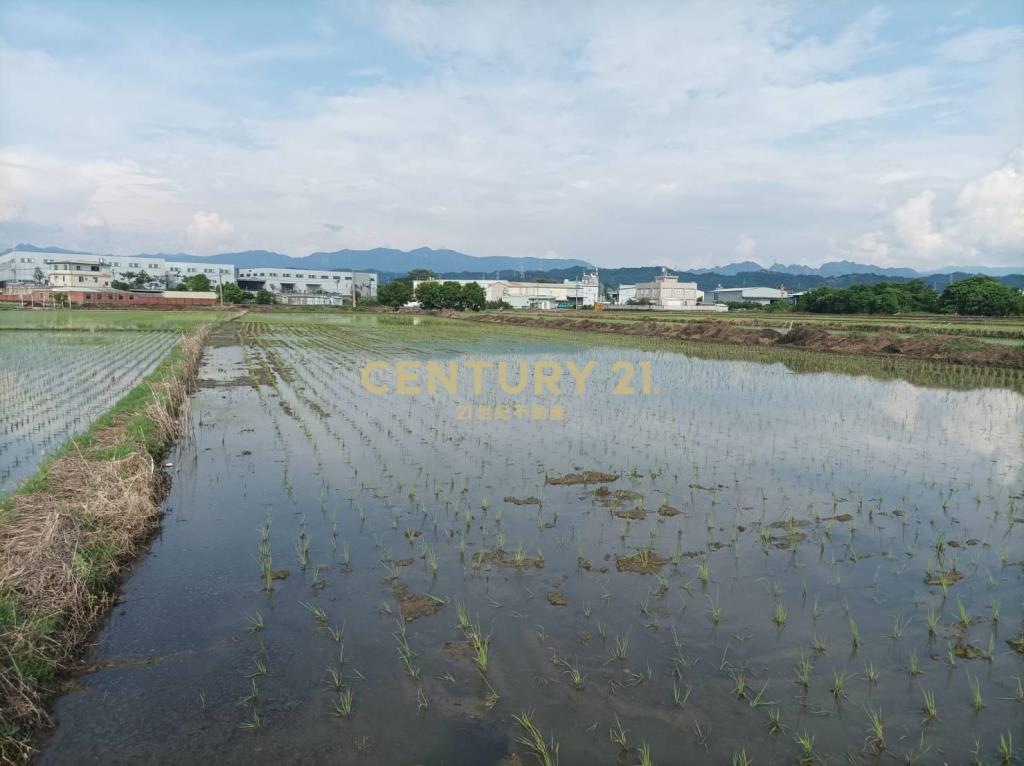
[(447, 261)]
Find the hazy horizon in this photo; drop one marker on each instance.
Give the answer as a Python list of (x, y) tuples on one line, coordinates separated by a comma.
[(681, 134)]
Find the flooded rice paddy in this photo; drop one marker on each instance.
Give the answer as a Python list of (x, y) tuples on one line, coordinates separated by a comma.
[(54, 384), (724, 562)]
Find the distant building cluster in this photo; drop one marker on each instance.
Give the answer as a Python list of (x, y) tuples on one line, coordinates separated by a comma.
[(569, 293), (40, 276), (33, 274)]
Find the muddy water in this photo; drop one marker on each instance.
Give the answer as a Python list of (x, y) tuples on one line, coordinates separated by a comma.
[(830, 496)]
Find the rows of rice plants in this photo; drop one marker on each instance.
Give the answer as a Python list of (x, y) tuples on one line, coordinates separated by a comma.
[(54, 384), (749, 565)]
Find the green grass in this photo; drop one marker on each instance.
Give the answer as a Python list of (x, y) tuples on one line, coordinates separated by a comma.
[(106, 319)]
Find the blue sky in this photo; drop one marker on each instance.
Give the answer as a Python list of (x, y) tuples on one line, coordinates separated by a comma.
[(675, 133)]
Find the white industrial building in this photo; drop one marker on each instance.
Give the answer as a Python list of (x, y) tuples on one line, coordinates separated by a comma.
[(759, 295), (23, 267), (570, 293), (310, 286), (667, 292), (624, 294)]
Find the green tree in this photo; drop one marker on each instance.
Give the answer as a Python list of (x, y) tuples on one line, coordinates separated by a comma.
[(419, 275), (38, 276), (451, 296), (474, 297), (265, 297), (880, 298), (429, 295), (395, 294), (232, 293), (981, 296), (198, 283)]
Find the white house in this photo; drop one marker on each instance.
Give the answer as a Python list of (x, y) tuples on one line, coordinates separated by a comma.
[(72, 272), (667, 292)]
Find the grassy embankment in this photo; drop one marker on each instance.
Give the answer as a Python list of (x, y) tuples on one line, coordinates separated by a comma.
[(961, 343), (68, 530)]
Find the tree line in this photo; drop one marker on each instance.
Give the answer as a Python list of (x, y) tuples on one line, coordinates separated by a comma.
[(432, 294), (974, 296)]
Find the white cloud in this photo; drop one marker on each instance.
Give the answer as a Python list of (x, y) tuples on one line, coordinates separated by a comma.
[(984, 226), (914, 226), (632, 135), (990, 211), (745, 248), (981, 44), (209, 231)]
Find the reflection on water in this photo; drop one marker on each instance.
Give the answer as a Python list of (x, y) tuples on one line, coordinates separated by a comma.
[(811, 508)]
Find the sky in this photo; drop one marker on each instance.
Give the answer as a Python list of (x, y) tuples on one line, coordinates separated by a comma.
[(673, 133)]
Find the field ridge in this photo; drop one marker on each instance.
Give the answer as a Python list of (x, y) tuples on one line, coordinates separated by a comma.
[(68, 531)]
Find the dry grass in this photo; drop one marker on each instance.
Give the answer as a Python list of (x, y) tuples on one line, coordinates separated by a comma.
[(66, 535)]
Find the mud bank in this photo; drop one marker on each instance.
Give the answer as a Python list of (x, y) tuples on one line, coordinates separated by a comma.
[(938, 348)]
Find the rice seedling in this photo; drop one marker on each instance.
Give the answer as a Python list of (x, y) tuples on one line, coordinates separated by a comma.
[(739, 680), (644, 753), (546, 752), (255, 623), (576, 676), (838, 687), (964, 618), (621, 648), (933, 619), (976, 701), (319, 615), (819, 644), (617, 734), (252, 696), (422, 703), (930, 711), (343, 704), (871, 673), (1006, 755), (854, 633), (741, 759), (774, 723), (914, 664), (899, 627), (877, 727), (253, 723), (780, 615), (481, 648), (803, 670), (805, 742)]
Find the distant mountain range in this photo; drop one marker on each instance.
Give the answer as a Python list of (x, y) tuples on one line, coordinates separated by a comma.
[(842, 268), (388, 261)]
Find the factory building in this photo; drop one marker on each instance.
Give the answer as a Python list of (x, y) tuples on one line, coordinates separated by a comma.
[(310, 286), (23, 267), (570, 293)]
